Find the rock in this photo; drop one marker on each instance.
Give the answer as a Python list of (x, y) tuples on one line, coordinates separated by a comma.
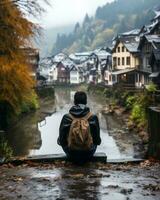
[(95, 176), (107, 175), (126, 191), (19, 196), (113, 186), (2, 160), (142, 133)]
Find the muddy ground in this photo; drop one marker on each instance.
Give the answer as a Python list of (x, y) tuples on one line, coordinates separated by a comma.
[(125, 135), (63, 181)]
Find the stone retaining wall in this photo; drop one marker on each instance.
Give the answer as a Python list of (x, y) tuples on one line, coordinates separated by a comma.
[(154, 132)]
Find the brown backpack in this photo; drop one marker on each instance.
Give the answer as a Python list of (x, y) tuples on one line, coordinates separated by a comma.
[(80, 137)]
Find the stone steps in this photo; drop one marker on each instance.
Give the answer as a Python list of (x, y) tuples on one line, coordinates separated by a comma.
[(98, 157)]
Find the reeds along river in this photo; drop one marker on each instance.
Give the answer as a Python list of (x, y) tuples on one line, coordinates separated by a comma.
[(31, 138)]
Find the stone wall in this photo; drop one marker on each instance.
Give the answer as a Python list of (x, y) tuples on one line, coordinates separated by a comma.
[(154, 132)]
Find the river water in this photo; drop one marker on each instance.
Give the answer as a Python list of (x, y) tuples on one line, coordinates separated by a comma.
[(30, 137)]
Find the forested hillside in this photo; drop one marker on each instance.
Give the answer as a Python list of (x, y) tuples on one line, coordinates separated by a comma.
[(45, 43), (116, 17)]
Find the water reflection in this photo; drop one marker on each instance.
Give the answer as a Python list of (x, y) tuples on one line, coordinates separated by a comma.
[(50, 130), (25, 135)]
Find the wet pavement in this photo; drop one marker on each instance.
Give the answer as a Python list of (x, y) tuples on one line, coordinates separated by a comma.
[(93, 181)]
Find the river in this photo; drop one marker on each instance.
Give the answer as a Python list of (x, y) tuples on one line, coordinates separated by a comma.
[(31, 137)]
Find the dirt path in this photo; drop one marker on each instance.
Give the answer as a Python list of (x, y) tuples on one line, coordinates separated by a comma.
[(92, 181)]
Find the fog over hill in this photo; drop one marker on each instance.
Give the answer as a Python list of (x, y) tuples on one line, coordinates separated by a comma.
[(48, 38)]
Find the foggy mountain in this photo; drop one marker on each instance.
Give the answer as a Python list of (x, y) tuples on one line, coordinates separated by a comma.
[(109, 20)]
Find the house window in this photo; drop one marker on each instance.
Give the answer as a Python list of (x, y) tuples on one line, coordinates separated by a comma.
[(123, 62), (128, 60), (148, 48), (74, 78), (119, 61), (147, 62), (122, 49), (114, 61), (124, 77), (118, 49), (113, 78), (106, 75)]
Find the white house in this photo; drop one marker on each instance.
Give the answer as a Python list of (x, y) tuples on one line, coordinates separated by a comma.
[(103, 61), (53, 73), (76, 75)]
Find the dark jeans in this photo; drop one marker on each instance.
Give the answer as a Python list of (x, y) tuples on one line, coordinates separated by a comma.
[(80, 156)]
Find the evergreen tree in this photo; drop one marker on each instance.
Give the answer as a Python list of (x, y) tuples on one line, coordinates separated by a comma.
[(77, 28)]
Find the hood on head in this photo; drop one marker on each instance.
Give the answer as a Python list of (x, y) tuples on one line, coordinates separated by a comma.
[(79, 110)]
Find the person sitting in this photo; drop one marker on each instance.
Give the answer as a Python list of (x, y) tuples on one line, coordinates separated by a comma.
[(79, 132)]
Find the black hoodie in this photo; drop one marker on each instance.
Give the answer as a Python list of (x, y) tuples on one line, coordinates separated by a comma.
[(78, 111)]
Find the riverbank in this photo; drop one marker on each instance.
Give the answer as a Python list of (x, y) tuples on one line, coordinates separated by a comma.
[(63, 180), (119, 104)]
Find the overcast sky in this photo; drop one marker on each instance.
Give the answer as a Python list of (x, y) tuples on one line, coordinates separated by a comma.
[(64, 12)]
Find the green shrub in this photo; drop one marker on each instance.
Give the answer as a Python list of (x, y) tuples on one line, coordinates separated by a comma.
[(130, 101), (137, 103), (108, 93), (31, 104), (151, 87), (138, 115), (5, 150)]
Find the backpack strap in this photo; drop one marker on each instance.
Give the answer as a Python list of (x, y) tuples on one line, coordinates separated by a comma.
[(71, 116), (86, 117)]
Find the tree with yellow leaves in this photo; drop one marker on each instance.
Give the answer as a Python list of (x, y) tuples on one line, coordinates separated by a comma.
[(16, 33)]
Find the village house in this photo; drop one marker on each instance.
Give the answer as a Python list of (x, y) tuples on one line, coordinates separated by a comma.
[(42, 74), (125, 60), (106, 71), (104, 64), (155, 66), (52, 73), (92, 63), (86, 62), (153, 28), (131, 54), (45, 72), (76, 75), (147, 45), (63, 73), (101, 60), (32, 60), (92, 76), (81, 57), (60, 57)]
